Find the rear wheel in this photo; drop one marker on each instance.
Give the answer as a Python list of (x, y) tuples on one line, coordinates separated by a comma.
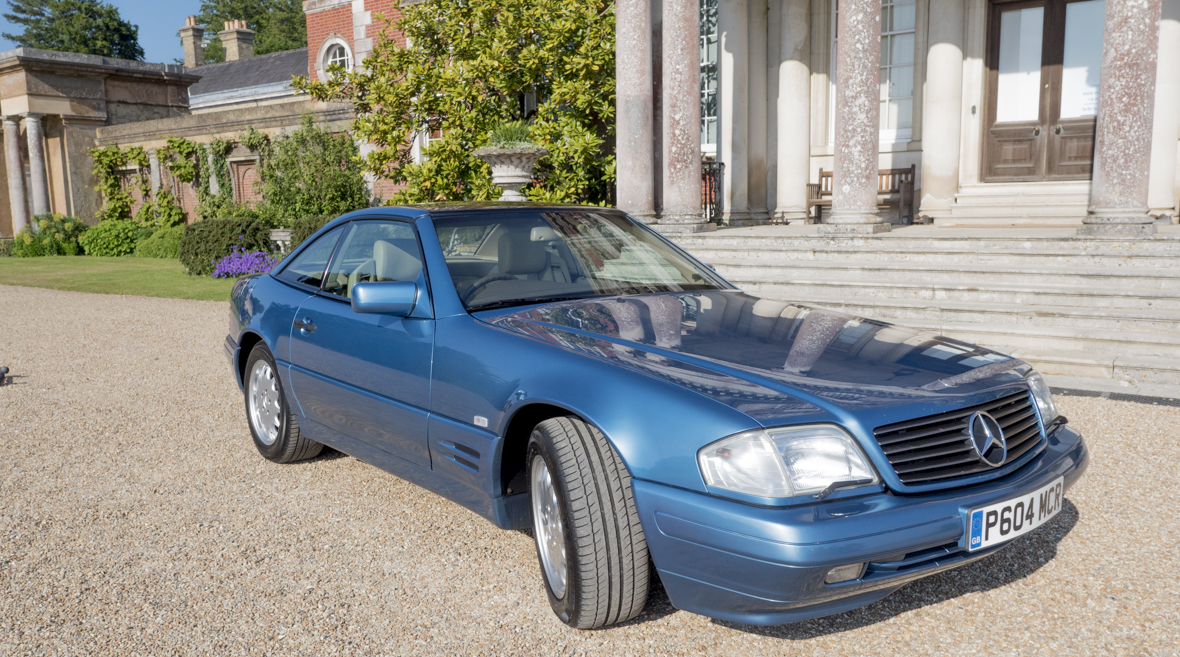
[(275, 430), (589, 541)]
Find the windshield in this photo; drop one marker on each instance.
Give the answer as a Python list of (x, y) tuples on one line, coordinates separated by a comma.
[(499, 259)]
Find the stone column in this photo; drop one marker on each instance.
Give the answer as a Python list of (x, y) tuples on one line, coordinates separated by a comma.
[(15, 161), (634, 148), (794, 112), (733, 110), (681, 114), (214, 186), (38, 182), (858, 97), (1161, 183), (1122, 140), (154, 170), (943, 108), (756, 186)]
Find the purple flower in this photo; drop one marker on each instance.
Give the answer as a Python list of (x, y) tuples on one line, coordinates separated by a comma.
[(240, 263)]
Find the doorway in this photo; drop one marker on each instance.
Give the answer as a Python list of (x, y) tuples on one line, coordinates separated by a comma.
[(1044, 58)]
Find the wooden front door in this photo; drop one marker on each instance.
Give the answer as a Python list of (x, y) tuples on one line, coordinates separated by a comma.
[(1044, 58)]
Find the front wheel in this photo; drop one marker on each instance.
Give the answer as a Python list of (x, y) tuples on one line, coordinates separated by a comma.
[(275, 430), (589, 541)]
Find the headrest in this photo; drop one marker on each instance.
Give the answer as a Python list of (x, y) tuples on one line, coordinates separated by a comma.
[(394, 263), (519, 254), (544, 234)]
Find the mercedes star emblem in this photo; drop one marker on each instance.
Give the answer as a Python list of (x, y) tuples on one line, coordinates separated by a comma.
[(988, 439)]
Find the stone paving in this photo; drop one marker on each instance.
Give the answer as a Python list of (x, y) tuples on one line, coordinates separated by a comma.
[(136, 518)]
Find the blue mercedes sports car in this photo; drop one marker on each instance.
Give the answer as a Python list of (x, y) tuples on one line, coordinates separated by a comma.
[(569, 370)]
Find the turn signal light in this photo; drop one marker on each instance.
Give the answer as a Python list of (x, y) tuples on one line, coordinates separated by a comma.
[(844, 573)]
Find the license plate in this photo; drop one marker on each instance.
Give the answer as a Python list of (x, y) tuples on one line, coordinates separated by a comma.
[(1006, 520)]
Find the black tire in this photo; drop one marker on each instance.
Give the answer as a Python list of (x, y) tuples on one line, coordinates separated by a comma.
[(607, 570), (287, 443)]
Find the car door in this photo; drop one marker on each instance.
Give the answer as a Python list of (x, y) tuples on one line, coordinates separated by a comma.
[(367, 375)]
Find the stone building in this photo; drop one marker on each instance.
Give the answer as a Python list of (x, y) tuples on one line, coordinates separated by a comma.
[(1011, 113), (53, 103), (58, 106)]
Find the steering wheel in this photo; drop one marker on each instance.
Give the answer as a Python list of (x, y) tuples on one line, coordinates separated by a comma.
[(490, 278)]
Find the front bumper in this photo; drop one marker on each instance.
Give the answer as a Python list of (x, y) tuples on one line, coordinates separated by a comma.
[(766, 566)]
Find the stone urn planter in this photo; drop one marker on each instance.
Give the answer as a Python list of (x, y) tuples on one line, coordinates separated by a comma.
[(282, 237), (512, 168)]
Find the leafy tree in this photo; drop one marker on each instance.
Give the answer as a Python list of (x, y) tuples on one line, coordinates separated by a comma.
[(310, 172), (89, 27), (467, 67), (280, 24)]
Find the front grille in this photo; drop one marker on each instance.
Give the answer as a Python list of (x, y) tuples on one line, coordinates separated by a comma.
[(937, 447)]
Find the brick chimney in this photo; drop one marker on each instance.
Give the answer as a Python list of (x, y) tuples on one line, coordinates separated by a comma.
[(192, 36), (238, 41)]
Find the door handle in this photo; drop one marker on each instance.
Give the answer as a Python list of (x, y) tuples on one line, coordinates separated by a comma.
[(1056, 129), (1037, 131), (305, 325)]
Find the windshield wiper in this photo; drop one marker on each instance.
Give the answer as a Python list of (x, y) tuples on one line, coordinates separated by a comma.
[(508, 303)]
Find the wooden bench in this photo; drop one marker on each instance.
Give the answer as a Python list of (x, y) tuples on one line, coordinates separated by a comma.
[(896, 185)]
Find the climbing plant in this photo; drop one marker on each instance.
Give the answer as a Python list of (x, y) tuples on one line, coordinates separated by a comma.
[(110, 165)]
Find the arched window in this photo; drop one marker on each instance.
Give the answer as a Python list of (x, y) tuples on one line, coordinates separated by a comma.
[(338, 54)]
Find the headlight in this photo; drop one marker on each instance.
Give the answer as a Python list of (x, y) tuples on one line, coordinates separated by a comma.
[(1043, 397), (785, 462)]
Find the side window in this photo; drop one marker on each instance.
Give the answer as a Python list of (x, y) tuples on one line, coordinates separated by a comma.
[(374, 251), (308, 267)]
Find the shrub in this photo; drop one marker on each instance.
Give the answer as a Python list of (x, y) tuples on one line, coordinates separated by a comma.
[(458, 68), (304, 227), (5, 248), (56, 235), (164, 243), (114, 237), (209, 240), (242, 263), (308, 172)]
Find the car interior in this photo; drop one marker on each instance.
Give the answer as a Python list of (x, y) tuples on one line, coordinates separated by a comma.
[(373, 251)]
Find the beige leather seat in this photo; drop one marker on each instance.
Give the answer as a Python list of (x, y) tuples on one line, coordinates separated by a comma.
[(389, 263)]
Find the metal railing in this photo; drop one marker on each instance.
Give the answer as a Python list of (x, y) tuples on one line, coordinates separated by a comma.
[(711, 173)]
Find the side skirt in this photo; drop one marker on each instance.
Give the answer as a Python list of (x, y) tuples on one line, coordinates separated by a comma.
[(506, 512)]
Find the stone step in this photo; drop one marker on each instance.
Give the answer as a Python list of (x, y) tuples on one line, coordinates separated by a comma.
[(904, 241), (1082, 341), (1137, 369), (745, 250), (1049, 296), (1089, 277), (1015, 315)]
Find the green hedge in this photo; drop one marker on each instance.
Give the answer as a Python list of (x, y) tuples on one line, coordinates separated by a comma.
[(209, 240), (164, 243), (114, 237), (5, 248), (55, 235), (305, 227)]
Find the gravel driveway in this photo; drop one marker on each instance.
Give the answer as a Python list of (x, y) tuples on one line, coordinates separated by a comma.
[(137, 518)]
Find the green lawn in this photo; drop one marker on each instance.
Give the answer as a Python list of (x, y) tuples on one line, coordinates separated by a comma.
[(150, 277)]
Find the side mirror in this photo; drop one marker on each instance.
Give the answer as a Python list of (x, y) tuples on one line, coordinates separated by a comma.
[(395, 298)]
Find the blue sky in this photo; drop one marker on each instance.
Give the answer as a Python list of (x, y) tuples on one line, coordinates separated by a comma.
[(158, 21)]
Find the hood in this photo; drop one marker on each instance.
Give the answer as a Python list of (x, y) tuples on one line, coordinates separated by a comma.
[(769, 359)]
